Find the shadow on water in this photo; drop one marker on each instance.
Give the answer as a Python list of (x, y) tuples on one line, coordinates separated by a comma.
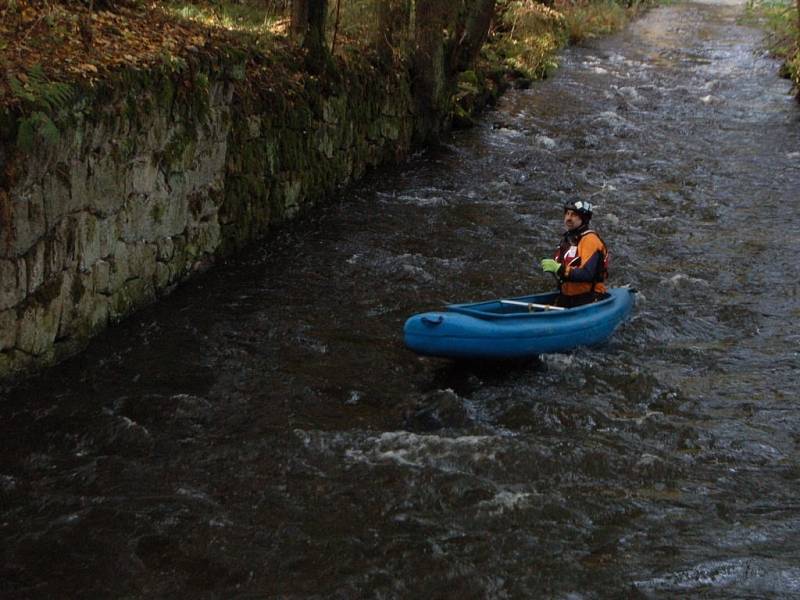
[(441, 404), (465, 375)]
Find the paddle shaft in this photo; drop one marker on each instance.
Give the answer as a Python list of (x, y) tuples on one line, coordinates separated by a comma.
[(531, 305)]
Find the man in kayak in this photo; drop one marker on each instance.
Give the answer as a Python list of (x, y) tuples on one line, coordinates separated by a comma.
[(581, 260)]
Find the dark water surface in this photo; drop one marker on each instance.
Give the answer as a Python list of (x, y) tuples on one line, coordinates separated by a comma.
[(263, 433)]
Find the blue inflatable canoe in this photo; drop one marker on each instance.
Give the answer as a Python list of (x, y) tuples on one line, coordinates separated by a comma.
[(515, 328)]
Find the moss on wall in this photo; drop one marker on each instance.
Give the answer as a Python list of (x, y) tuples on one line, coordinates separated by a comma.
[(164, 171)]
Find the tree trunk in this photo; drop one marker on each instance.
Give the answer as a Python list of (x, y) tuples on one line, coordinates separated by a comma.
[(429, 79), (393, 26), (299, 18), (448, 37), (308, 26), (315, 39), (474, 27)]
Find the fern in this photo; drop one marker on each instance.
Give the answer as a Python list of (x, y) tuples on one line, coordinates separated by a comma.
[(40, 98), (19, 91)]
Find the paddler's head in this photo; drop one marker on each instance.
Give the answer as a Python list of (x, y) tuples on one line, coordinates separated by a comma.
[(577, 213)]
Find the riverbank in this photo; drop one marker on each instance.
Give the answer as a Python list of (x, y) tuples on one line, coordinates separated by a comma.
[(782, 23)]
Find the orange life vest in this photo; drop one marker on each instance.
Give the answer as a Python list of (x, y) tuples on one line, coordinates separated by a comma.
[(585, 263)]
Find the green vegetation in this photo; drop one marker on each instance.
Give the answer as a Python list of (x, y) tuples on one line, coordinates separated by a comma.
[(528, 34), (348, 22), (233, 16), (783, 24), (42, 98), (598, 18), (259, 22)]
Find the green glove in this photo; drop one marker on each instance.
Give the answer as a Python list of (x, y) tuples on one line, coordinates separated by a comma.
[(550, 266)]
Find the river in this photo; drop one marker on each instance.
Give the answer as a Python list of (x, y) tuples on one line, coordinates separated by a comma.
[(262, 433)]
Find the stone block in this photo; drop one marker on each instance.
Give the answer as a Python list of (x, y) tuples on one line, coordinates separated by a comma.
[(101, 273), (8, 329), (78, 183), (390, 128), (273, 160), (71, 292), (57, 196), (142, 260), (396, 105), (176, 186), (145, 175), (9, 284), (120, 305), (136, 293), (15, 362), (333, 110), (220, 94), (28, 224), (39, 319), (125, 224), (13, 282), (166, 249), (325, 142), (119, 266), (98, 314), (180, 152), (66, 240), (156, 133), (92, 239), (181, 259), (203, 205), (210, 169), (347, 137), (35, 265), (216, 194), (99, 131), (292, 196), (163, 276), (83, 312), (253, 126), (149, 217), (106, 187), (176, 216), (373, 131), (205, 237), (6, 367), (55, 250)]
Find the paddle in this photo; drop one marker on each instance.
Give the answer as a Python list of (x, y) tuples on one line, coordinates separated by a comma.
[(532, 305)]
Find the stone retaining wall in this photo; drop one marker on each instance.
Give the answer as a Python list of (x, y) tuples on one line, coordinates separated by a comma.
[(152, 182)]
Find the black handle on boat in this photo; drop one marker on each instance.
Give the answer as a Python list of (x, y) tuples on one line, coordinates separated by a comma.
[(437, 320)]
